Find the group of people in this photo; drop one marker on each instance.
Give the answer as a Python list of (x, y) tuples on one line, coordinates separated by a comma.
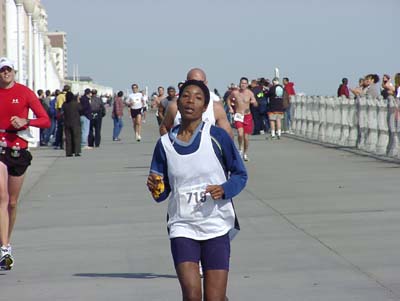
[(252, 109), (78, 118), (369, 86), (193, 126)]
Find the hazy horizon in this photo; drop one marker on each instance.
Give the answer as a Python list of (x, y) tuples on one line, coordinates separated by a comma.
[(155, 42)]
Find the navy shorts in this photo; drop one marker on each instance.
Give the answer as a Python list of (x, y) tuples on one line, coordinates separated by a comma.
[(213, 253)]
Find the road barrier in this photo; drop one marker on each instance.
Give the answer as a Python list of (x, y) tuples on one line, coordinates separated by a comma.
[(368, 124)]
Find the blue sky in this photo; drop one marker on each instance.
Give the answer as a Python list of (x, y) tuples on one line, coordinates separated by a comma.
[(155, 42)]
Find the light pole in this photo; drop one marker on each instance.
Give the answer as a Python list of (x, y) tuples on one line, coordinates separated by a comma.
[(20, 24), (29, 6), (35, 48)]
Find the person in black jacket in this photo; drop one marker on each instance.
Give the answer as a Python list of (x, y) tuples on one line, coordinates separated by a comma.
[(98, 112), (276, 110), (72, 125), (86, 115)]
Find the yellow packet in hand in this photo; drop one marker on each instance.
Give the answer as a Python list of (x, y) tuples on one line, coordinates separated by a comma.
[(159, 188)]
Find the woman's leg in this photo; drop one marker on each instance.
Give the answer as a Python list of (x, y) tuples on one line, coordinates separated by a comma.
[(190, 281), (14, 189), (4, 203), (138, 122), (215, 283)]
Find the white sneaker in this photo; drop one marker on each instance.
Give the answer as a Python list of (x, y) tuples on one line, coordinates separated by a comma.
[(262, 132), (245, 157), (138, 138), (6, 260)]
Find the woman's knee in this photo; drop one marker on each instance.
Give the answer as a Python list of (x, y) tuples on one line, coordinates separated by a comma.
[(192, 295), (4, 200)]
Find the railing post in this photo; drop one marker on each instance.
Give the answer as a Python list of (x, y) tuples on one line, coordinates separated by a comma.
[(393, 148), (337, 120), (382, 126), (303, 129), (345, 128), (322, 119), (362, 117), (293, 106), (352, 122), (315, 118), (309, 117), (372, 125), (329, 120)]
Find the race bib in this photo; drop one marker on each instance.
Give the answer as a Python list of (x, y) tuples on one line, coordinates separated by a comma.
[(238, 117), (194, 202)]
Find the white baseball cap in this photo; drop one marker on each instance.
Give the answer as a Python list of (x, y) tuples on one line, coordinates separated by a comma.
[(5, 62)]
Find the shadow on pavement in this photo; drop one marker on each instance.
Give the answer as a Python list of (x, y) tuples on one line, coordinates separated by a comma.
[(126, 275)]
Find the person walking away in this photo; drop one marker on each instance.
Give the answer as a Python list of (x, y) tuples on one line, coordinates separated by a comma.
[(59, 142), (16, 101), (98, 113), (86, 115), (72, 125), (46, 104), (52, 115), (260, 110), (117, 113), (276, 111), (42, 99), (201, 217)]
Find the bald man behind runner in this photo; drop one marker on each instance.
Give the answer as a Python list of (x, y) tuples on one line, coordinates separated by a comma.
[(218, 111)]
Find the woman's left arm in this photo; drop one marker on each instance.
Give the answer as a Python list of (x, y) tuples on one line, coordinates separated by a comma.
[(234, 165)]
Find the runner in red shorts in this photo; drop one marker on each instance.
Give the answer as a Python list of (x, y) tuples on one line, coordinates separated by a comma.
[(242, 99), (247, 124)]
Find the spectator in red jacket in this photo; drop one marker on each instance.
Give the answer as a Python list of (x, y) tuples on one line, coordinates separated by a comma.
[(289, 89), (343, 89)]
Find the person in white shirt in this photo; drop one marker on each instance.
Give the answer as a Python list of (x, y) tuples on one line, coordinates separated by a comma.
[(135, 103)]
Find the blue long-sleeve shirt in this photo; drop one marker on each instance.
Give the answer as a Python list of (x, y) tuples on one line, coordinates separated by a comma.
[(224, 149)]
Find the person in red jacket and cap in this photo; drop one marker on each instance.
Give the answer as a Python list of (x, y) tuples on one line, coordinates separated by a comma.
[(16, 100)]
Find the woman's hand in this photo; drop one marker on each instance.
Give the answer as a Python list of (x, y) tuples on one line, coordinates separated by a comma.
[(216, 191), (155, 184)]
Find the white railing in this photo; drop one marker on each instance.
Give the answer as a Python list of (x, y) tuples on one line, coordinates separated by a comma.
[(368, 124)]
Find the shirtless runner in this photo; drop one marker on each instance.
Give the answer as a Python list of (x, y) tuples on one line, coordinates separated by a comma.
[(241, 100)]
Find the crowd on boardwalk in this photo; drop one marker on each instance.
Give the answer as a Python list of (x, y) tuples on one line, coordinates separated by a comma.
[(369, 86), (259, 107)]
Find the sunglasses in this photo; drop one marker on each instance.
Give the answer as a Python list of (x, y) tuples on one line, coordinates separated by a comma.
[(5, 68)]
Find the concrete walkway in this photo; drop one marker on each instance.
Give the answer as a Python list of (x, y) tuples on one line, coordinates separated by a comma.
[(318, 224)]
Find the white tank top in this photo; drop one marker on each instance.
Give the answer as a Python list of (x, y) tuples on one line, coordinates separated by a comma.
[(208, 115), (193, 214)]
